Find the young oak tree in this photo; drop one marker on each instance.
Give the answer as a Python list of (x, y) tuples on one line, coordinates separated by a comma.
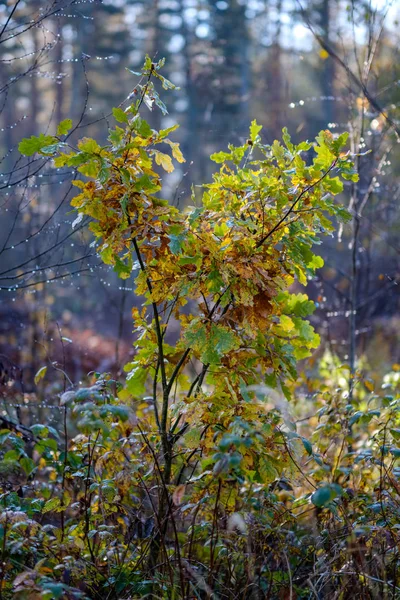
[(219, 270)]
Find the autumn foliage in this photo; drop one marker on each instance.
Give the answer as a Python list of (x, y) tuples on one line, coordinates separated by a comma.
[(181, 481)]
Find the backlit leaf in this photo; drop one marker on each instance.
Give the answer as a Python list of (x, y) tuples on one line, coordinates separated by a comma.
[(40, 374), (120, 115), (64, 127), (254, 130), (164, 160)]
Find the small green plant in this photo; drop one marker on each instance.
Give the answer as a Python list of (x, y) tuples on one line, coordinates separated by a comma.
[(192, 438)]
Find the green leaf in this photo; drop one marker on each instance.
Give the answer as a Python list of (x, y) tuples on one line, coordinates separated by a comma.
[(300, 353), (350, 174), (89, 146), (47, 443), (316, 262), (340, 142), (223, 340), (333, 185), (238, 153), (123, 270), (29, 146), (307, 445), (321, 497), (166, 84), (146, 184), (287, 139), (74, 160), (176, 242), (120, 115), (159, 102), (278, 151), (143, 128), (51, 504), (125, 175), (165, 132), (107, 255), (4, 435), (297, 304), (266, 472), (220, 157), (306, 332), (27, 464), (211, 342), (190, 260), (343, 214), (325, 157), (90, 169), (325, 494), (254, 130), (395, 433), (271, 380), (134, 72), (64, 127), (147, 63), (116, 136), (304, 146), (39, 430), (136, 379)]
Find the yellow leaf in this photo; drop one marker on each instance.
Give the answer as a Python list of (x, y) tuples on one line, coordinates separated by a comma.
[(164, 161), (301, 276), (40, 374), (362, 103), (80, 543), (369, 385), (176, 151), (286, 323), (61, 160), (78, 183), (323, 54)]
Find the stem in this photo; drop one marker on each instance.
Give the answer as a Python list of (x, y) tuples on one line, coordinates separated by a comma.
[(65, 464), (155, 313), (155, 395), (213, 542), (88, 495), (3, 552), (177, 369), (353, 304)]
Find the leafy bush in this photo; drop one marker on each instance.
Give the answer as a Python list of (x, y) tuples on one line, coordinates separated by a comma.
[(190, 479)]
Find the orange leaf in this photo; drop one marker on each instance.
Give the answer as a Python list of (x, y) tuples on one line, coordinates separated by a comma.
[(177, 496)]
